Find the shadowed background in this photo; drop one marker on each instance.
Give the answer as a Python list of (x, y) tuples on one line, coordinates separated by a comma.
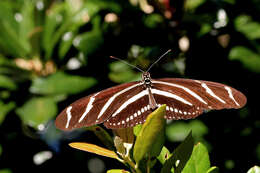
[(53, 52)]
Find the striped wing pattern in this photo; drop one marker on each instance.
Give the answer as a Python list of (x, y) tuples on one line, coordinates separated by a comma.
[(127, 105)]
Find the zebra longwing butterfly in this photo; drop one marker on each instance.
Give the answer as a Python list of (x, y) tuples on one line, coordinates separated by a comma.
[(129, 104)]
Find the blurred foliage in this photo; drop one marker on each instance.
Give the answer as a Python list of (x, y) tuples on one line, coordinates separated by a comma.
[(53, 52)]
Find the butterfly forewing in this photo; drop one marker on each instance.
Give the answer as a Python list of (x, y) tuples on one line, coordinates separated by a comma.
[(189, 98), (95, 108)]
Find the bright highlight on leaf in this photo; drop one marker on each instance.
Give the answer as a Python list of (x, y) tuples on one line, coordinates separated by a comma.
[(117, 171), (94, 149), (255, 169)]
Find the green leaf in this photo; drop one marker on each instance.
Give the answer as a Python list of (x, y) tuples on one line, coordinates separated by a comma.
[(52, 20), (5, 109), (180, 156), (37, 111), (213, 169), (150, 140), (255, 169), (9, 44), (137, 129), (121, 73), (247, 57), (153, 20), (89, 42), (61, 83), (199, 160), (164, 155), (193, 4), (5, 171), (117, 171), (248, 27), (7, 83), (1, 149), (177, 131)]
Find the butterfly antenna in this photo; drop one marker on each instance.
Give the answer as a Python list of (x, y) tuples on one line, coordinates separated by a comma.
[(127, 63), (159, 59)]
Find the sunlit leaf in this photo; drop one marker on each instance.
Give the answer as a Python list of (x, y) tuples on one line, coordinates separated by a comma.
[(255, 169), (180, 156), (117, 171), (7, 83), (247, 26), (137, 129), (37, 110), (213, 169), (199, 160), (247, 57), (150, 140), (5, 109), (61, 83), (94, 149)]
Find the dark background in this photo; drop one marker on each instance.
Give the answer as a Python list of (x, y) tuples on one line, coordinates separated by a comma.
[(39, 39)]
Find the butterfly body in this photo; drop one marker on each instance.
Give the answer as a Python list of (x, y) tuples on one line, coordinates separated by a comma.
[(129, 104)]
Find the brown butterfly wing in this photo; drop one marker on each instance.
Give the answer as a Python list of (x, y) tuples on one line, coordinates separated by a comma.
[(201, 96)]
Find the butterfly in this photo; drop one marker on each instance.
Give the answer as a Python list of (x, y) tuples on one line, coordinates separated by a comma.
[(129, 104)]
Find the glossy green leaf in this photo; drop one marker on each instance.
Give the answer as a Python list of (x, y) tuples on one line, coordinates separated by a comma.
[(180, 156), (150, 140), (199, 160), (61, 83), (213, 169), (255, 169), (117, 171), (247, 57), (5, 109), (248, 27), (164, 155), (7, 83), (37, 110)]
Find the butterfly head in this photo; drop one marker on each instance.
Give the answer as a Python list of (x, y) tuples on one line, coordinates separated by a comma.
[(146, 78)]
